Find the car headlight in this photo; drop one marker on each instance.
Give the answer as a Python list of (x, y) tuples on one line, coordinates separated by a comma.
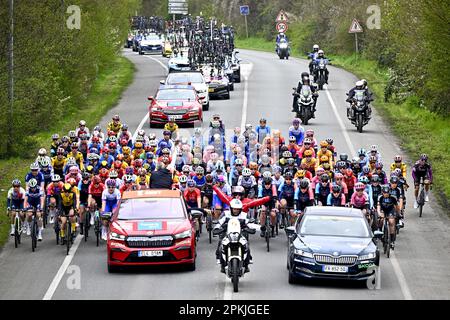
[(155, 109), (184, 234), (369, 256), (303, 253), (116, 236)]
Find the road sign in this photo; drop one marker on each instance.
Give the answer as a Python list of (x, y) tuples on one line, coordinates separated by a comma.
[(282, 17), (282, 27), (245, 10), (355, 27), (178, 7)]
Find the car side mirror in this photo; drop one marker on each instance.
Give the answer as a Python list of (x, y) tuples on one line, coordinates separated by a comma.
[(294, 88), (162, 81), (236, 51), (151, 98), (347, 93), (378, 234), (290, 231)]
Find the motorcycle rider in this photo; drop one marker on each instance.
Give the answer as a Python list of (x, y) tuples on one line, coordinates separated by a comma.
[(359, 85), (313, 55), (280, 36), (321, 55), (236, 210), (305, 81)]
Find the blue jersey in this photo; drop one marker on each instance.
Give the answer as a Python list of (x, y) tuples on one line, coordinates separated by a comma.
[(200, 182), (298, 133), (34, 197), (286, 191), (39, 177), (262, 133)]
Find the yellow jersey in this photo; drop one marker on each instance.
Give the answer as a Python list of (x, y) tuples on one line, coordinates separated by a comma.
[(170, 127), (58, 164), (402, 166), (68, 200)]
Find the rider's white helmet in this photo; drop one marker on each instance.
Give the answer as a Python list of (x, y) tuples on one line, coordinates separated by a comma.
[(316, 46), (320, 52)]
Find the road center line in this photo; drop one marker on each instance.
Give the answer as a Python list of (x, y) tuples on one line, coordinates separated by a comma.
[(396, 266), (247, 71), (62, 270)]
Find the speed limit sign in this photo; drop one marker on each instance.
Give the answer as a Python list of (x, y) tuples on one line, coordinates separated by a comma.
[(282, 27)]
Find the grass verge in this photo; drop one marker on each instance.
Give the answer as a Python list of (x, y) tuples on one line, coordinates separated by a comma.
[(419, 130), (105, 93)]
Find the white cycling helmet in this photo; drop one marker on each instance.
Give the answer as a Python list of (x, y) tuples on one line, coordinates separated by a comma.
[(316, 46), (246, 172), (320, 52), (236, 207), (183, 179)]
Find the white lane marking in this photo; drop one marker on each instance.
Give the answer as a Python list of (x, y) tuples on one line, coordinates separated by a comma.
[(162, 64), (246, 70), (228, 290), (62, 270), (398, 271)]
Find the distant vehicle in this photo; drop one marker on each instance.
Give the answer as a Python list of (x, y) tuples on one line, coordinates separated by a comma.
[(152, 227), (151, 44), (181, 103), (194, 78), (332, 243), (283, 49), (179, 63), (229, 72), (130, 40), (236, 66), (218, 85)]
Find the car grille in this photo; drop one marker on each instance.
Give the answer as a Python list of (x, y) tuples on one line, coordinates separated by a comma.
[(175, 112), (150, 242), (341, 260), (167, 256), (182, 65), (156, 47)]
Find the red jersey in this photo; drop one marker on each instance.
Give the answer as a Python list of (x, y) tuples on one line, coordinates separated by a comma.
[(191, 196), (96, 191)]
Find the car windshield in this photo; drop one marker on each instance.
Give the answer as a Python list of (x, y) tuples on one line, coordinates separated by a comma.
[(176, 94), (184, 78), (152, 38), (333, 226), (151, 208)]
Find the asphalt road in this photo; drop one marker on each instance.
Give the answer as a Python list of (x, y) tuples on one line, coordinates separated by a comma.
[(418, 269)]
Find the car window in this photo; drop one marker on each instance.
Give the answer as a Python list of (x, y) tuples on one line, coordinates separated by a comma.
[(175, 94), (333, 226), (184, 78), (151, 208)]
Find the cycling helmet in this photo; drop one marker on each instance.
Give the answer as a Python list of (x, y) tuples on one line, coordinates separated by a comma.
[(246, 172), (309, 133), (364, 180), (44, 163), (398, 159), (186, 168), (32, 183), (372, 159), (424, 157), (138, 162), (34, 166), (215, 124), (307, 141), (316, 47), (265, 159), (149, 155), (324, 158), (56, 178), (292, 139), (296, 121), (341, 165), (267, 180), (199, 170), (362, 152), (209, 178), (72, 134), (343, 157), (300, 174), (128, 178), (304, 184), (86, 175), (320, 52), (191, 183), (73, 170), (42, 152), (113, 174), (195, 161), (326, 166), (238, 162), (360, 186), (165, 151), (253, 166), (267, 174), (320, 171), (116, 117), (72, 182), (111, 183), (359, 85), (290, 161), (330, 141), (385, 189), (67, 187), (323, 144), (97, 180), (366, 170), (379, 165), (375, 178), (236, 207), (338, 176), (288, 175), (373, 148), (262, 120), (287, 154), (140, 139), (324, 177), (308, 153), (336, 188), (65, 139), (355, 161), (183, 179), (220, 179), (398, 172), (55, 136), (238, 190), (393, 179), (138, 145), (349, 172)]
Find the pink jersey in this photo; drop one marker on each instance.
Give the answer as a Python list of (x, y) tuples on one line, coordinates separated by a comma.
[(359, 201)]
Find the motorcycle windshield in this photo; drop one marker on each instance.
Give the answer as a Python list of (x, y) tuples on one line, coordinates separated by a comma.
[(305, 92), (359, 95), (234, 226)]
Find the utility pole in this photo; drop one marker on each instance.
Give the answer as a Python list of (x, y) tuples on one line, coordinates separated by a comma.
[(11, 78), (246, 27)]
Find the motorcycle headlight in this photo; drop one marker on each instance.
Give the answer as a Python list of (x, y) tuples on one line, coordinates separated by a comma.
[(116, 236), (234, 237), (368, 256), (303, 253), (184, 234)]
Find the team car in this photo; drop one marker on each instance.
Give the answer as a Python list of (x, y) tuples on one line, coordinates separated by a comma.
[(218, 85), (180, 102), (194, 78), (151, 44), (179, 62), (332, 243), (236, 66), (152, 227)]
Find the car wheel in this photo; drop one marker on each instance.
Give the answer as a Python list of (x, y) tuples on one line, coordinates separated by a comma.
[(227, 96), (191, 266), (232, 87), (113, 269), (152, 125), (292, 279)]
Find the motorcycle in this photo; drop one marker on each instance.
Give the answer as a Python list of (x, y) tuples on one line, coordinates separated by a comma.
[(360, 112), (234, 249), (320, 71), (283, 49), (305, 104)]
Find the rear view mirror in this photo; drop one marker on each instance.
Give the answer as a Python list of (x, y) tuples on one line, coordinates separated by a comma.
[(162, 81), (236, 51), (151, 98), (290, 231)]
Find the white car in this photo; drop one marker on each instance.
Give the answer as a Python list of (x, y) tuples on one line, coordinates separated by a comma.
[(151, 43), (193, 78)]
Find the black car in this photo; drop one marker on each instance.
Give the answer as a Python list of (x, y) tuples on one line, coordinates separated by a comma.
[(332, 243)]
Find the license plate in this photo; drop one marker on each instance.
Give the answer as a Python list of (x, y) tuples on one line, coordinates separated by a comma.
[(154, 48), (341, 269), (176, 117), (210, 90), (158, 253)]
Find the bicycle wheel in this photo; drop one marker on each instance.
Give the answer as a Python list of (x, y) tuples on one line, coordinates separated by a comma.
[(388, 253), (267, 233), (68, 235), (421, 201), (87, 219), (16, 232), (209, 227), (385, 238), (97, 230), (34, 230)]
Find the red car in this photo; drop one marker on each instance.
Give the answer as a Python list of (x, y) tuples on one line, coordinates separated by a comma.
[(151, 227), (179, 102)]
